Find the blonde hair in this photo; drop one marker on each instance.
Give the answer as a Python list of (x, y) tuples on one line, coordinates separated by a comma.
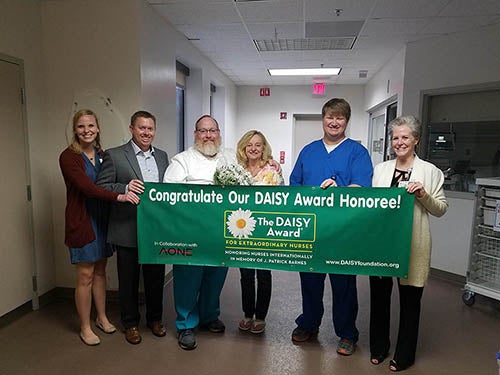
[(75, 143), (241, 155)]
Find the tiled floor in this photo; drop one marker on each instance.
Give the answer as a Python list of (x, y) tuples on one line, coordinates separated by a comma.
[(454, 339)]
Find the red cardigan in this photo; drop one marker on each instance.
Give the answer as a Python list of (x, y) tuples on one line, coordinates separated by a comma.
[(78, 229)]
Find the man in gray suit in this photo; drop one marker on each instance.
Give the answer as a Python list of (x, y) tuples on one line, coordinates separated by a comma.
[(135, 161)]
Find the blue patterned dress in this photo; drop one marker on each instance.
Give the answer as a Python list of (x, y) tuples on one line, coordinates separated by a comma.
[(98, 212)]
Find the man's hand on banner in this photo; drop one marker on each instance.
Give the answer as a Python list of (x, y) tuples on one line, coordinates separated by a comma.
[(136, 186)]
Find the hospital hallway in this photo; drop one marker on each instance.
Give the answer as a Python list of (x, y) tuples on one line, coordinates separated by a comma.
[(454, 338)]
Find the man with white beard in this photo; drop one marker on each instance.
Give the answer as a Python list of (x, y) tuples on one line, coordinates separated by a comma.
[(197, 164), (197, 289)]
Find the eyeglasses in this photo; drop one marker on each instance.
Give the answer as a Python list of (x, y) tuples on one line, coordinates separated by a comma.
[(207, 131)]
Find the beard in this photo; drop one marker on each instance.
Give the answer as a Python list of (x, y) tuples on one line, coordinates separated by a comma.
[(208, 148)]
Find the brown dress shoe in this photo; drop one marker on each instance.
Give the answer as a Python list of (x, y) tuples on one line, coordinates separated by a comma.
[(157, 328), (133, 336)]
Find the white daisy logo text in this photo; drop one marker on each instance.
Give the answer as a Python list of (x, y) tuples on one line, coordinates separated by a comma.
[(240, 223)]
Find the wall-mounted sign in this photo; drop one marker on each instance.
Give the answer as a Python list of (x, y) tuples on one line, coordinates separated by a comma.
[(319, 89), (282, 115), (265, 91)]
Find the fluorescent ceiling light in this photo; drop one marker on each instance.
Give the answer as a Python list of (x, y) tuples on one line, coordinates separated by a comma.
[(305, 72)]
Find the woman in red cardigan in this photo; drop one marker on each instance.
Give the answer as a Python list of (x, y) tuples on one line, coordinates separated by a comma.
[(86, 222)]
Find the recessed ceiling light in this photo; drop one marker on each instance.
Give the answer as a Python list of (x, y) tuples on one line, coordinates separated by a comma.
[(305, 72)]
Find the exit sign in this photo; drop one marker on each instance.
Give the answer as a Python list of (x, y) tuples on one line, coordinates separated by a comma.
[(319, 89), (265, 91)]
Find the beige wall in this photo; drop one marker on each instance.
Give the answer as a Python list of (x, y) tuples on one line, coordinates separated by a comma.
[(469, 58), (387, 83), (20, 37), (88, 46), (158, 75)]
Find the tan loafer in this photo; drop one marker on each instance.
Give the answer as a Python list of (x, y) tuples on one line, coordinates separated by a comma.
[(90, 341), (109, 329)]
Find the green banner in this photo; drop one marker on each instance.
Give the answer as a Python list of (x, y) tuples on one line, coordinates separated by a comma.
[(338, 230)]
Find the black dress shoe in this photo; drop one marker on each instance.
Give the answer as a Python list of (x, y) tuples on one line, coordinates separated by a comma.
[(216, 326), (157, 328), (133, 336), (301, 334)]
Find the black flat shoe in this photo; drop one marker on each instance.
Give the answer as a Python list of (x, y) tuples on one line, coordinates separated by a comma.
[(378, 359), (394, 367)]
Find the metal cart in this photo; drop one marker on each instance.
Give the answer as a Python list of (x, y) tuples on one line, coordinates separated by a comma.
[(483, 274)]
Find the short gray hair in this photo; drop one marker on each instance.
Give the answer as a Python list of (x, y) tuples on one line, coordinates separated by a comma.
[(410, 121)]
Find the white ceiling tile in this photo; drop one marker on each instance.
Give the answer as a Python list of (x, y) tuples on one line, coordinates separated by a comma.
[(394, 26), (407, 8), (447, 25), (277, 30), (203, 13), (271, 11), (373, 41), (467, 8), (215, 32), (324, 10)]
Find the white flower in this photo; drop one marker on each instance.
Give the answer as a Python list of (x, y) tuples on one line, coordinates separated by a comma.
[(241, 223), (232, 174)]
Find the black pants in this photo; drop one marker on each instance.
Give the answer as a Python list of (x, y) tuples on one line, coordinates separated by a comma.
[(128, 280), (251, 306), (380, 316)]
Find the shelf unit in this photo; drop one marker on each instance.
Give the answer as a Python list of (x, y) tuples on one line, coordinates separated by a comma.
[(483, 274)]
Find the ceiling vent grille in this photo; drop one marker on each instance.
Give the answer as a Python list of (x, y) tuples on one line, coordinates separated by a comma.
[(317, 44)]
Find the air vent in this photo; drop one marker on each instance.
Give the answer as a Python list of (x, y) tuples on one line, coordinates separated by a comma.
[(304, 44)]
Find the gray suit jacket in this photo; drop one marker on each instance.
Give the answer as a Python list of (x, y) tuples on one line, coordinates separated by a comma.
[(118, 168)]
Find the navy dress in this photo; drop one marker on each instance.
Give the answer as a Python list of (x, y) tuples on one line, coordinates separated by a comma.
[(98, 212)]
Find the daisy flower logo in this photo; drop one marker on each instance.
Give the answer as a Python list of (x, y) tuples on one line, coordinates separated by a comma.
[(241, 223)]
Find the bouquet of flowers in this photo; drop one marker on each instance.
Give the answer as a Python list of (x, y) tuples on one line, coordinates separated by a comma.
[(268, 176), (232, 174)]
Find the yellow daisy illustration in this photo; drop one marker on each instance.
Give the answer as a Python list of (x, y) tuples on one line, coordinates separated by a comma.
[(241, 223)]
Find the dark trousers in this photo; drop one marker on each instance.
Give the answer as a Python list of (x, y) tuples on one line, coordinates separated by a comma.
[(252, 306), (128, 280), (344, 303), (380, 316)]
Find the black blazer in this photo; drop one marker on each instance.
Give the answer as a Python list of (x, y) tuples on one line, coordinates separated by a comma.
[(118, 168)]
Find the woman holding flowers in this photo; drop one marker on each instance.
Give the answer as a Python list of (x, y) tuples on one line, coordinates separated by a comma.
[(254, 154)]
